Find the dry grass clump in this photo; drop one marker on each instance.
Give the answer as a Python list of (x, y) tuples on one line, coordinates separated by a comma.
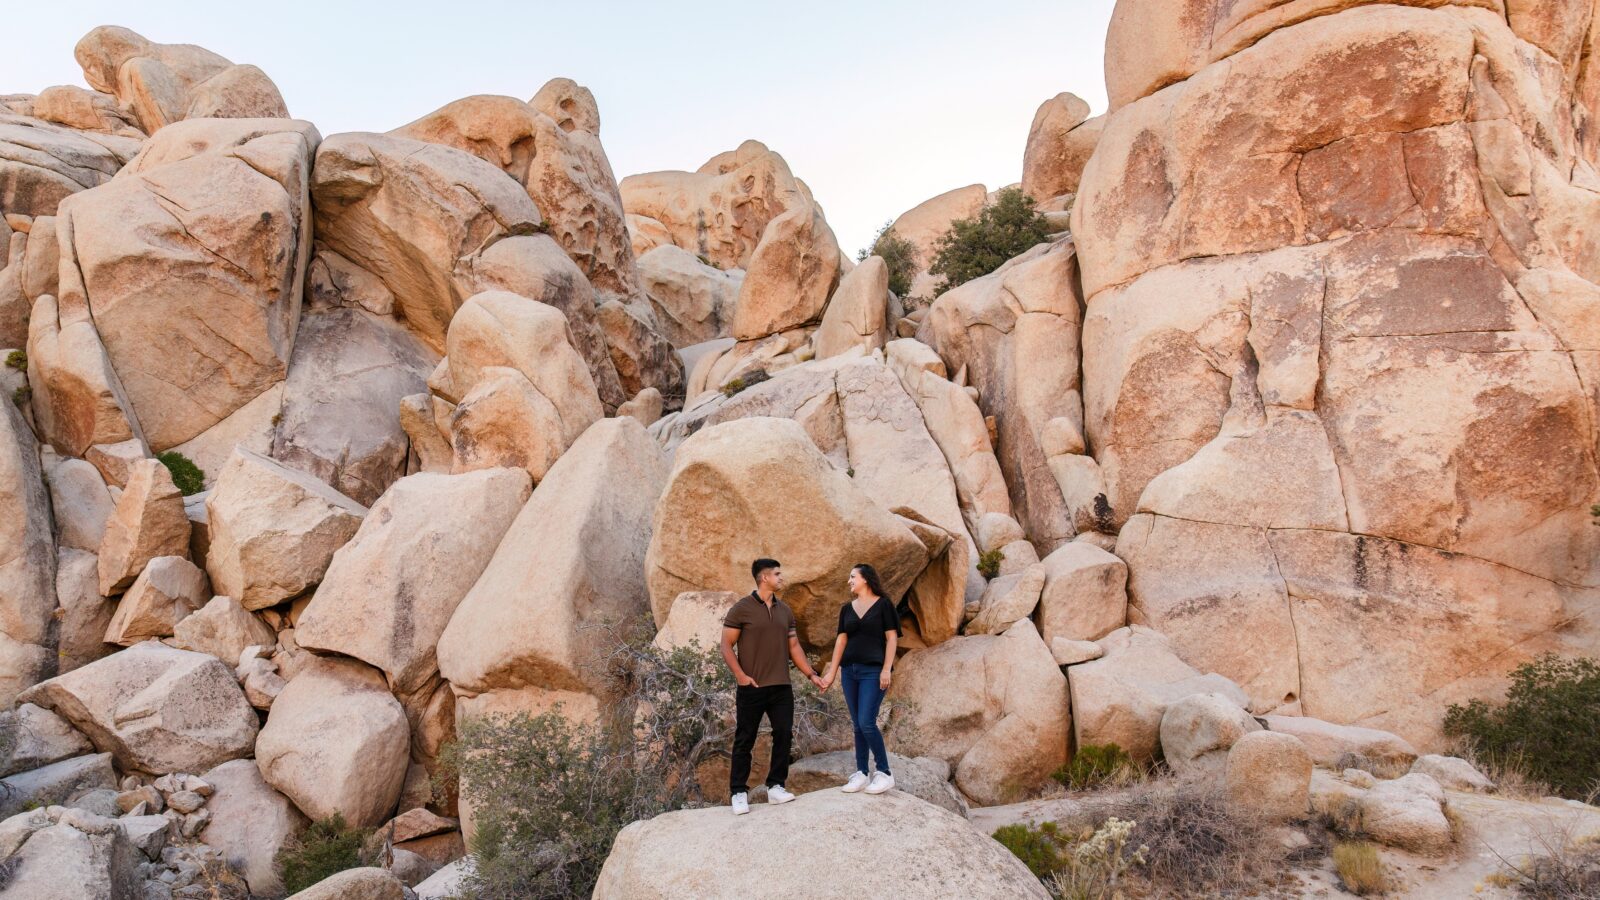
[(1194, 844), (1563, 866), (1359, 868), (1384, 769)]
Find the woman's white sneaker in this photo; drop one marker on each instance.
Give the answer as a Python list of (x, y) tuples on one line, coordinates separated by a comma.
[(856, 783), (778, 794), (880, 782), (741, 804)]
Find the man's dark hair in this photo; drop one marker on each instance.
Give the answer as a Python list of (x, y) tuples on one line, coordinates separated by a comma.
[(761, 565)]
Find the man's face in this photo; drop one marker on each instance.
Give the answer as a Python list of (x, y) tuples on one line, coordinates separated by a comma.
[(772, 579)]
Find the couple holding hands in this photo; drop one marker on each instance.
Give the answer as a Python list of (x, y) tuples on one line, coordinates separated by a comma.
[(760, 638)]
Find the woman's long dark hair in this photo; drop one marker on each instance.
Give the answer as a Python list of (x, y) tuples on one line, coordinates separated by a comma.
[(870, 576)]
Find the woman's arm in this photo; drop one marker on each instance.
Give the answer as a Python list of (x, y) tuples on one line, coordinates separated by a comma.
[(891, 639), (833, 661)]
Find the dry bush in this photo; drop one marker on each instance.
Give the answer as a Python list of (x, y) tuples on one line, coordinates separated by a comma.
[(1194, 844), (1359, 868), (1385, 769), (1563, 865)]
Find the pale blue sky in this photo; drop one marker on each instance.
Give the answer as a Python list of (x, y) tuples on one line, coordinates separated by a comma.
[(877, 106)]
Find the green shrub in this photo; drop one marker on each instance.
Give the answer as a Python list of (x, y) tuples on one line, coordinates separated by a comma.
[(1039, 847), (734, 386), (898, 254), (1094, 765), (185, 474), (973, 248), (21, 395), (17, 359), (326, 847), (989, 563), (1359, 868), (1549, 725)]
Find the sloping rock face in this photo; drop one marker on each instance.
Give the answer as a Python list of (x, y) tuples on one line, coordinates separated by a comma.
[(685, 853), (165, 83), (1338, 373), (27, 563)]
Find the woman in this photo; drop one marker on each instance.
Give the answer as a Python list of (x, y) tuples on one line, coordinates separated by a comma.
[(863, 656)]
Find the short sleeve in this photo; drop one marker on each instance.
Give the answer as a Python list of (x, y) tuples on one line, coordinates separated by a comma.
[(842, 610), (735, 617), (890, 618), (794, 624)]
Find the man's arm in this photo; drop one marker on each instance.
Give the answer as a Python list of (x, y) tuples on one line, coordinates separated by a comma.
[(800, 661), (729, 635)]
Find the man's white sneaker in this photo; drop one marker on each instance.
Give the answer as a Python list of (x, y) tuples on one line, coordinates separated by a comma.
[(856, 783), (880, 783), (778, 794), (741, 804)]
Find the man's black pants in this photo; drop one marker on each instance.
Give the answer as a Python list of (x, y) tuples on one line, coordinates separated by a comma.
[(776, 702)]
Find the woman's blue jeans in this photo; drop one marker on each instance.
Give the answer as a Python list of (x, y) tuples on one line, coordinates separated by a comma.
[(863, 696)]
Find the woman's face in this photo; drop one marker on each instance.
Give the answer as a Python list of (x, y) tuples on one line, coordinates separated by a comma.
[(855, 581)]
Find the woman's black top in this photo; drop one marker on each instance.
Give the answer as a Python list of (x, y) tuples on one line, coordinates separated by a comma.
[(866, 641)]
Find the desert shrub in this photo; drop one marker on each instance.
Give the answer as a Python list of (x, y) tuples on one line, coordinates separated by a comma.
[(17, 359), (899, 255), (1040, 847), (22, 395), (1096, 864), (326, 847), (1359, 868), (1565, 867), (185, 474), (1094, 765), (1194, 844), (989, 563), (974, 247), (1549, 725)]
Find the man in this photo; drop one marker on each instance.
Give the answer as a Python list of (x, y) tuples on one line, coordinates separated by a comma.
[(759, 638)]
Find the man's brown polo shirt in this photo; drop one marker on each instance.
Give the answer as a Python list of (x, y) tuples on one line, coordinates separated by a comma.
[(763, 644)]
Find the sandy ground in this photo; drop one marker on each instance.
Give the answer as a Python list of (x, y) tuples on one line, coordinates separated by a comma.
[(1498, 830)]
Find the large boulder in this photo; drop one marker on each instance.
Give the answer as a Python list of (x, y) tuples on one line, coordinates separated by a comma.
[(249, 823), (339, 416), (923, 777), (157, 709), (686, 853), (858, 313), (60, 862), (81, 504), (791, 274), (390, 592), (693, 301), (192, 263), (222, 628), (1408, 813), (164, 594), (1269, 773), (1198, 731), (42, 163), (273, 530), (77, 400), (148, 522), (1060, 143), (27, 561), (778, 497), (1328, 743), (572, 562), (1332, 366), (166, 83), (84, 612), (365, 883), (336, 741), (39, 737), (993, 707), (56, 783), (1015, 332), (1121, 697), (1085, 596)]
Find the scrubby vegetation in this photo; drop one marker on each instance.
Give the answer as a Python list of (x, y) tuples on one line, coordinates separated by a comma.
[(1360, 870), (17, 359), (1548, 727), (1040, 847), (1094, 765), (899, 255), (549, 796), (185, 474), (1564, 866), (989, 563), (326, 847), (974, 247)]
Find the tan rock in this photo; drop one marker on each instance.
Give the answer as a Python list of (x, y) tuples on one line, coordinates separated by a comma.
[(1408, 813), (148, 522), (1084, 596), (856, 315), (994, 707), (1048, 170), (249, 823), (565, 562), (27, 561), (77, 398), (791, 274), (165, 83), (1121, 697), (222, 628), (155, 708), (693, 301), (338, 421), (696, 618), (84, 613), (355, 884), (1452, 772), (193, 201), (1198, 731), (1327, 742), (1270, 773), (42, 163), (113, 461), (645, 407), (926, 222), (1007, 599), (336, 742), (390, 592), (168, 590), (273, 530), (1070, 653), (996, 531), (430, 447), (677, 854), (762, 464)]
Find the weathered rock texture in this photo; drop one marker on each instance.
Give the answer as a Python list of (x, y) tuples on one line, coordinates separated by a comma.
[(1337, 375)]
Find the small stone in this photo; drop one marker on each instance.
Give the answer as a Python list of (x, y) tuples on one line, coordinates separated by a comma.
[(185, 801), (195, 822)]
